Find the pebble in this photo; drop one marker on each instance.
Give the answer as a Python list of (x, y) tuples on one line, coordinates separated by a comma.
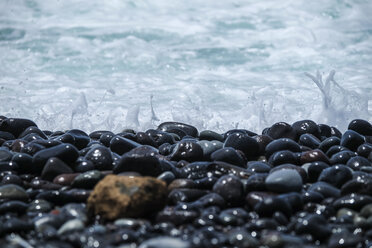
[(244, 143), (282, 181), (54, 167), (299, 185), (230, 188), (13, 192), (228, 155)]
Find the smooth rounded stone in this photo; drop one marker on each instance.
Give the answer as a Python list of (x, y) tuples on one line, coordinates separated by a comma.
[(309, 140), (244, 143), (228, 155), (277, 239), (211, 199), (360, 186), (209, 147), (329, 142), (38, 183), (258, 167), (345, 239), (283, 157), (336, 175), (281, 130), (206, 182), (281, 145), (160, 137), (357, 162), (65, 152), (15, 225), (54, 167), (15, 126), (74, 211), (351, 140), (312, 196), (145, 139), (40, 206), (352, 201), (67, 196), (84, 166), (24, 162), (81, 139), (71, 226), (241, 238), (172, 126), (181, 183), (255, 197), (106, 138), (121, 196), (167, 177), (269, 205), (306, 126), (314, 169), (6, 136), (166, 149), (122, 145), (366, 211), (208, 237), (256, 182), (326, 189), (361, 126), (66, 138), (101, 157), (233, 217), (65, 179), (11, 179), (230, 188), (13, 207), (13, 192), (96, 135), (294, 199), (210, 135), (299, 169), (335, 149), (18, 144), (187, 150), (185, 195), (165, 242), (31, 148), (313, 156), (364, 150), (143, 159), (346, 212), (176, 217), (285, 180), (263, 141), (87, 180), (325, 130), (342, 157), (313, 224), (33, 130), (9, 166), (5, 155)]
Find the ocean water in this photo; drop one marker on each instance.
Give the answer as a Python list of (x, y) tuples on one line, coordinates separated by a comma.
[(218, 65)]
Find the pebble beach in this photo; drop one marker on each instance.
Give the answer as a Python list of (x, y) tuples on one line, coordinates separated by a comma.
[(292, 185)]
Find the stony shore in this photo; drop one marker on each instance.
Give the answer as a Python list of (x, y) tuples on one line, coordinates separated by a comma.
[(294, 185)]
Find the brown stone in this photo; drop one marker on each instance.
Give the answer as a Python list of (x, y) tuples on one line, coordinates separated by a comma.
[(126, 196)]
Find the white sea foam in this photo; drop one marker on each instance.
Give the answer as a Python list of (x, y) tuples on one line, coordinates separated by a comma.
[(214, 64)]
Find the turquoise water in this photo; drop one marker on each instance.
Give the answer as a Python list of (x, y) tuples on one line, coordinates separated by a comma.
[(214, 64)]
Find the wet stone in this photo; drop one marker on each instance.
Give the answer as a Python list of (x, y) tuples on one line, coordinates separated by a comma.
[(122, 145), (281, 130), (285, 180), (352, 201), (101, 157), (187, 150), (283, 157), (230, 188), (313, 224), (360, 126), (233, 217), (336, 175), (358, 162), (244, 143), (65, 152), (351, 140), (209, 147), (314, 169), (309, 140), (53, 168), (328, 143), (281, 145), (306, 126), (143, 159), (87, 180), (120, 196), (342, 157), (167, 177), (15, 126), (165, 242), (326, 189), (258, 167), (210, 135), (40, 206), (228, 155), (13, 207), (13, 192), (313, 156)]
